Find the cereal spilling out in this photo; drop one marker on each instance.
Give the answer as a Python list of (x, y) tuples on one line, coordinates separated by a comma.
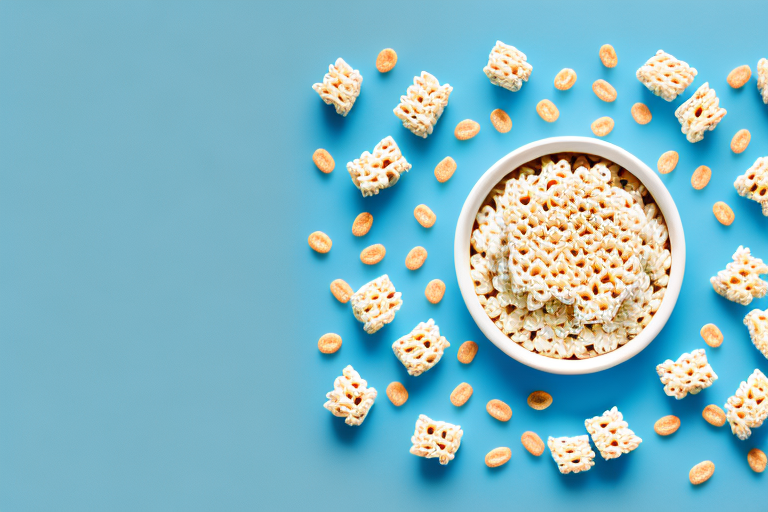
[(753, 184), (611, 434), (351, 397), (740, 281), (700, 113), (689, 374), (376, 303), (757, 324), (572, 454), (762, 79), (507, 67), (421, 349), (374, 172), (666, 76), (436, 439), (423, 104), (570, 256), (749, 406), (340, 87)]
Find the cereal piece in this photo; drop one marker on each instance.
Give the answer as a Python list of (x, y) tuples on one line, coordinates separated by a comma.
[(386, 60), (341, 290), (498, 457), (423, 104), (340, 87), (611, 434), (667, 425), (604, 90), (740, 141), (723, 213), (320, 242), (667, 162), (572, 454), (739, 76), (434, 291), (757, 324), (749, 406), (501, 121), (565, 79), (421, 349), (753, 184), (351, 397), (362, 224), (329, 343), (608, 56), (757, 460), (376, 303), (533, 443), (373, 254), (762, 79), (740, 281), (499, 410), (466, 129), (507, 67), (397, 394), (323, 160), (641, 113), (700, 177), (712, 335), (539, 400), (374, 172), (602, 126), (689, 374), (701, 472), (713, 415), (547, 111), (666, 76), (467, 352), (444, 170), (700, 113), (424, 215), (436, 439), (415, 258), (461, 394)]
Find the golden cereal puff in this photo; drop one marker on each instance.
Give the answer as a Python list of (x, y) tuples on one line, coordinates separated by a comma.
[(499, 410), (740, 141), (320, 242), (547, 111), (341, 290), (436, 439), (700, 113), (753, 184), (386, 60), (666, 76), (461, 394), (641, 113), (424, 215), (713, 415), (434, 291), (667, 425), (602, 126), (611, 434), (373, 254), (757, 460), (397, 393), (748, 407), (501, 121), (323, 160), (329, 343), (539, 400), (498, 457), (604, 91), (362, 224), (466, 129), (712, 335), (565, 79), (415, 258), (740, 281), (445, 169), (723, 213), (372, 173), (533, 443), (507, 67), (467, 352), (376, 303), (701, 472), (700, 177), (571, 454), (689, 374), (739, 76), (608, 56), (421, 349), (351, 398), (667, 162)]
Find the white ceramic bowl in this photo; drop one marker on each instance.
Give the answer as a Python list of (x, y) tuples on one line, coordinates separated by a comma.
[(562, 145)]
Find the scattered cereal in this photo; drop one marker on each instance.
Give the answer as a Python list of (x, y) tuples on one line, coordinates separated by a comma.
[(421, 349), (386, 60), (374, 172), (723, 213), (753, 184), (565, 79), (602, 126), (757, 325), (434, 291), (689, 374), (498, 457), (373, 254), (445, 169), (397, 393), (416, 258), (533, 443), (547, 111), (320, 242), (362, 224), (376, 303), (351, 397), (740, 281), (329, 343), (667, 425), (608, 56), (467, 352), (748, 408), (499, 410), (507, 67), (340, 87), (700, 113), (611, 434), (539, 400), (712, 335), (701, 472), (323, 160), (762, 79), (501, 121), (667, 162), (604, 90), (422, 105), (740, 141), (666, 76), (757, 460), (701, 177), (466, 129), (739, 76), (436, 439), (641, 113), (461, 394), (424, 215), (572, 454), (713, 415)]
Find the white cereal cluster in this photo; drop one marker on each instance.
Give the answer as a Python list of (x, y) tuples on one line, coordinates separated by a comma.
[(421, 349), (611, 434), (351, 397), (689, 374), (666, 76), (374, 172), (757, 324), (749, 406), (753, 184), (740, 281), (507, 67), (376, 303), (572, 454), (423, 104), (700, 113), (436, 439), (762, 79), (340, 87)]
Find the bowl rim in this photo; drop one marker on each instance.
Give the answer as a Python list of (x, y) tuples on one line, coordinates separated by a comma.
[(507, 164)]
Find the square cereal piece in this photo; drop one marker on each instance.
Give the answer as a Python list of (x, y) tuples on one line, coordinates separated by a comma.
[(740, 281), (423, 104), (757, 324), (749, 406), (507, 67), (689, 374), (421, 349), (611, 434), (376, 303), (436, 439), (762, 79), (340, 87), (753, 184), (666, 76), (351, 397), (700, 113), (572, 454), (373, 172)]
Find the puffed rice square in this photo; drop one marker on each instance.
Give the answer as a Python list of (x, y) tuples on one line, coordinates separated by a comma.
[(376, 303), (749, 406), (374, 172), (740, 281), (753, 184), (666, 76), (340, 87), (421, 349), (689, 374), (351, 397), (757, 324), (507, 67), (701, 113), (762, 79), (572, 454), (436, 439), (611, 434), (423, 104)]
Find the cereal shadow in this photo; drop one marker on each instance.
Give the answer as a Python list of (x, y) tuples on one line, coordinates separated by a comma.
[(346, 433), (611, 469), (319, 255), (432, 470), (331, 118), (573, 481)]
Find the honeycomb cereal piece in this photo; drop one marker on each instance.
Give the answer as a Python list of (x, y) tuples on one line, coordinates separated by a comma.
[(757, 324), (351, 397), (424, 215), (608, 56), (323, 160), (604, 91), (436, 439), (572, 454), (666, 76), (749, 406), (386, 60), (466, 129), (501, 121), (740, 141), (423, 104), (374, 172), (421, 349), (320, 242), (700, 177), (641, 113), (445, 169), (340, 87), (434, 291), (507, 67), (341, 290), (739, 76), (362, 224), (329, 343), (740, 281), (376, 303), (547, 111), (565, 79), (667, 162), (602, 126), (700, 113), (762, 79), (723, 213), (611, 434), (689, 374), (397, 394), (712, 335), (753, 184)]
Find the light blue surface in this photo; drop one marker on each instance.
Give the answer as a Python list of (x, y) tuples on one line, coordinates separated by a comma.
[(160, 308)]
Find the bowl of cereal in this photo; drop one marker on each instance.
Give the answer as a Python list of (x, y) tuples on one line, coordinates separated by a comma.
[(570, 255)]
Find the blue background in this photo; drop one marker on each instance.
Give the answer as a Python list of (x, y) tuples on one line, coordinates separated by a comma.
[(160, 307)]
